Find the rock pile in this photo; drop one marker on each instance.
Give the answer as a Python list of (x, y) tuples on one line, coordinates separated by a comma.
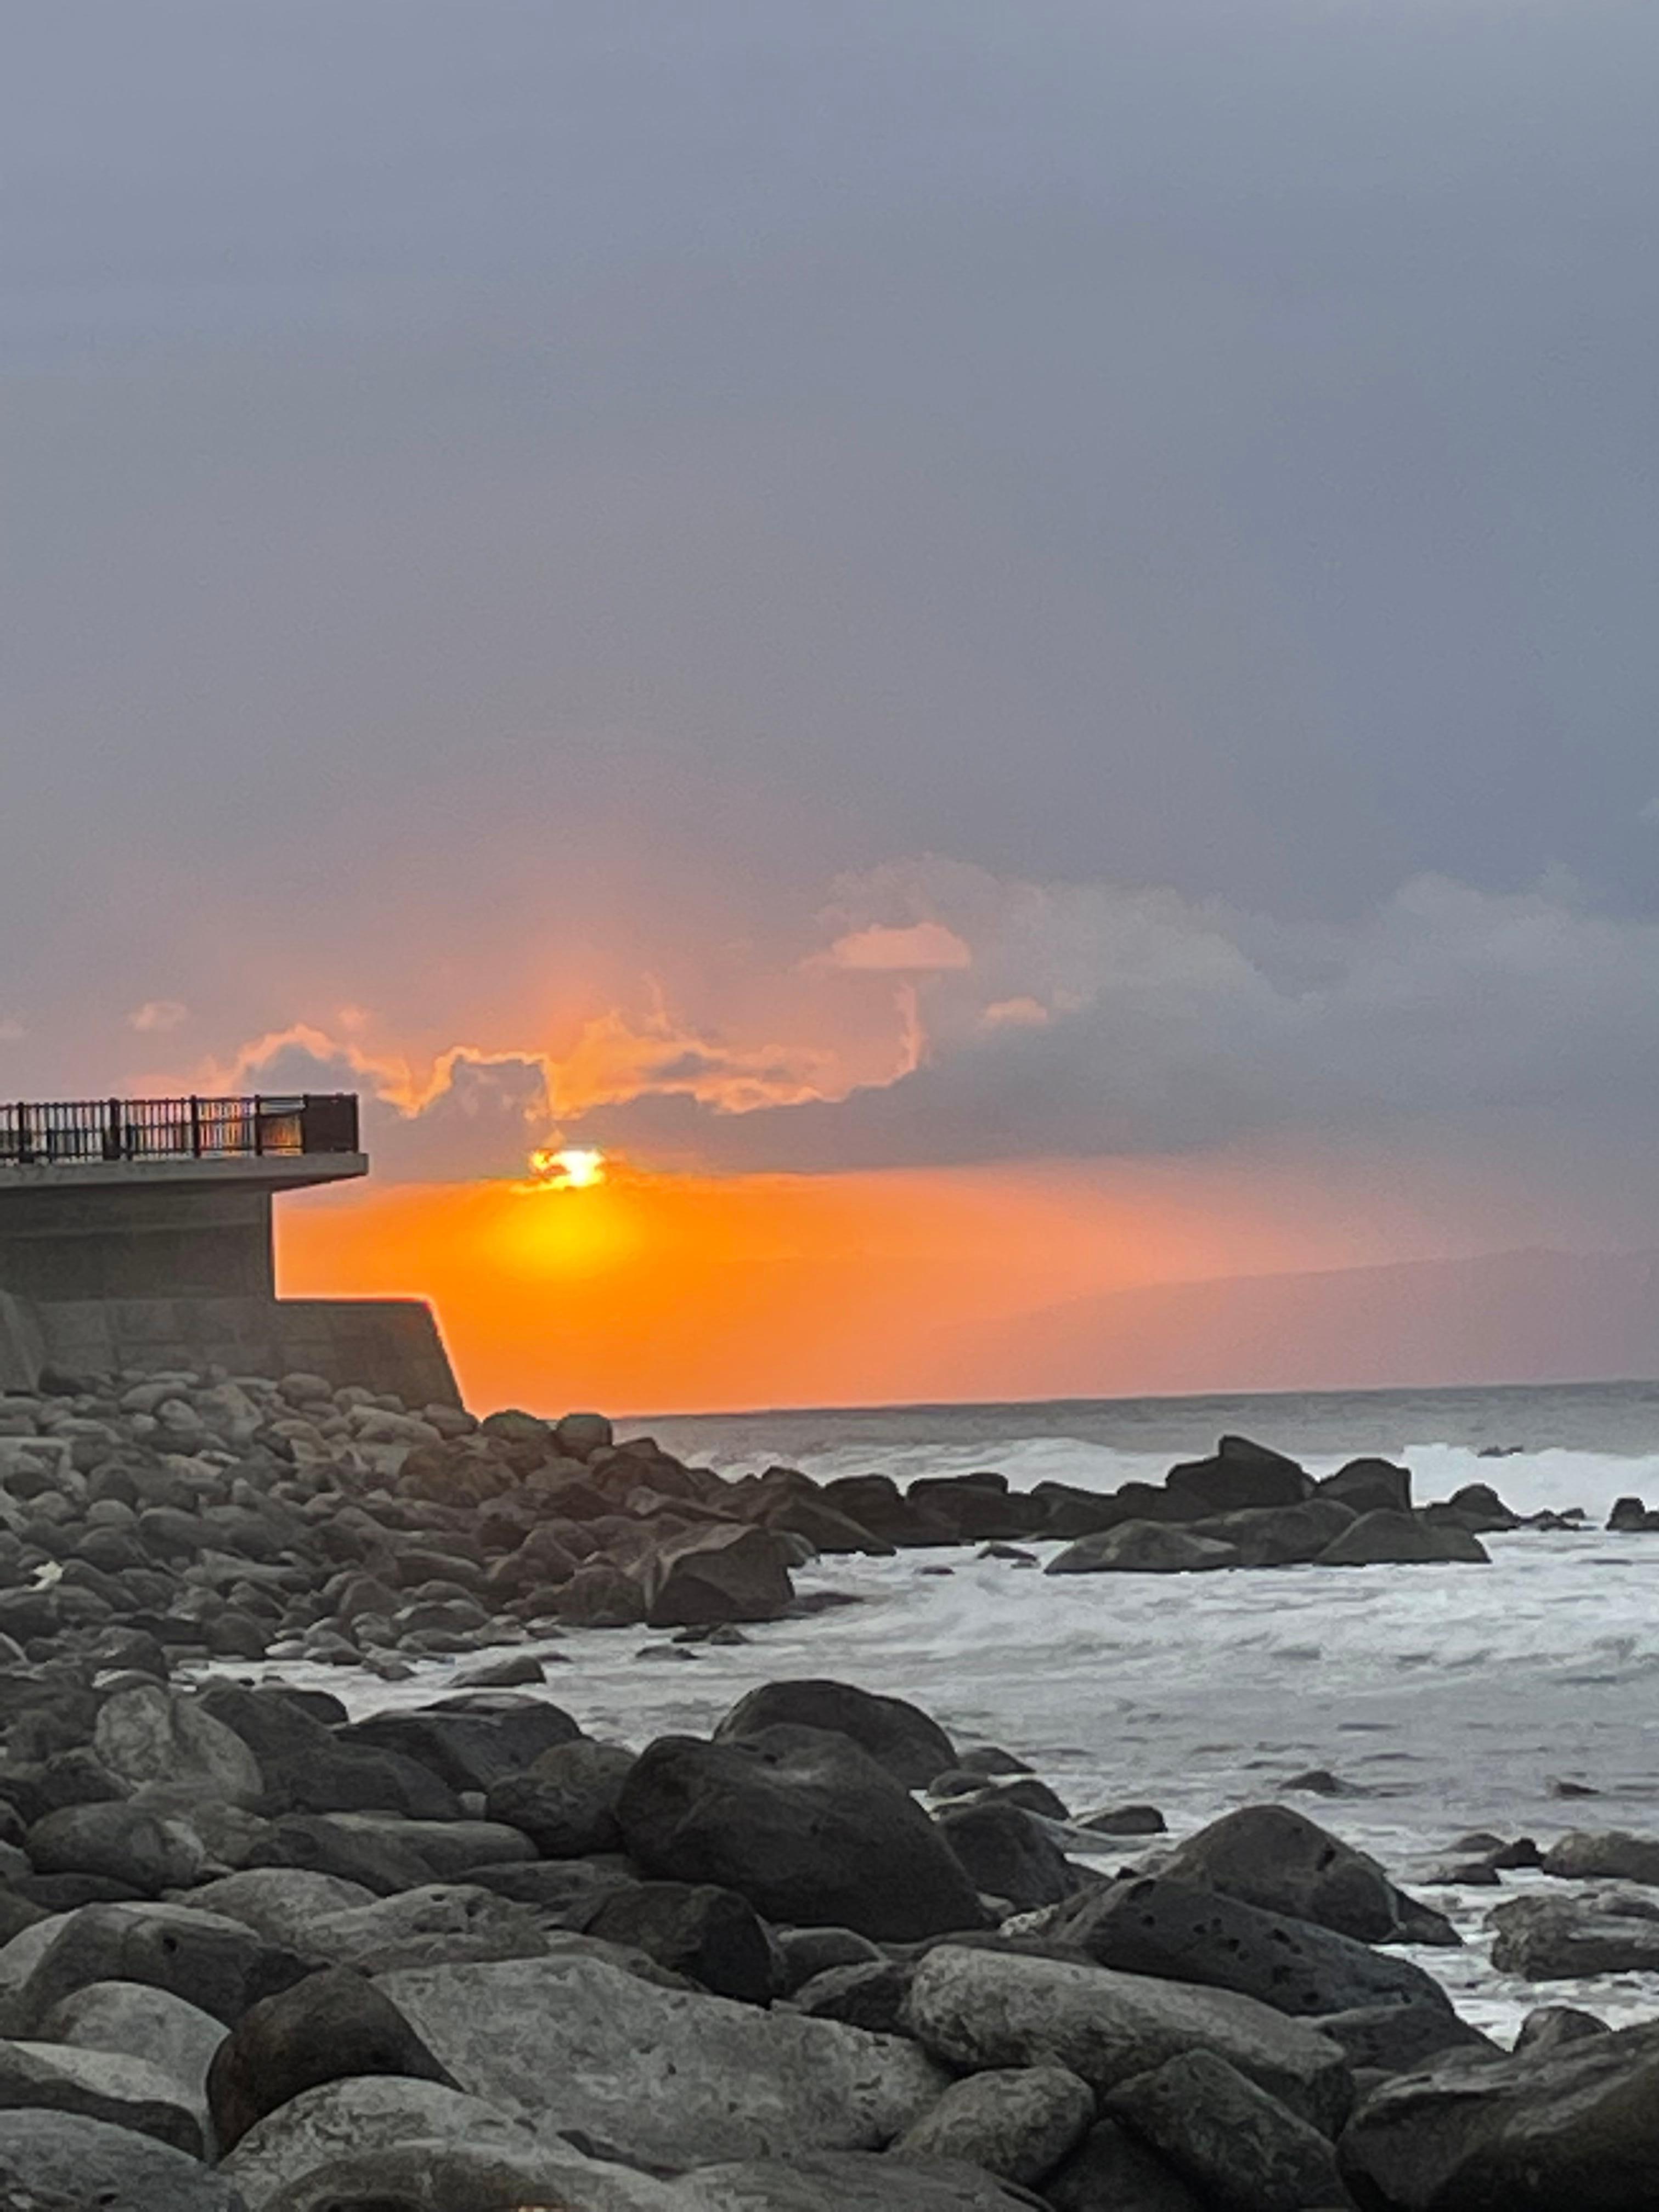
[(463, 1959)]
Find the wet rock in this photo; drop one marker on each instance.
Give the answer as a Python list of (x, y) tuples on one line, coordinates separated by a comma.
[(681, 2075), (712, 1936), (804, 1952), (1007, 1855), (1370, 1485), (1124, 1821), (467, 1750), (808, 1829), (979, 2009), (1239, 2147), (1143, 1547), (1181, 1931), (1609, 1854), (1396, 2039), (377, 1858), (898, 1735), (1278, 1536), (325, 2028), (1115, 2171), (1552, 2028), (716, 1574), (1018, 2124), (1378, 1540), (1541, 1939), (1533, 2133), (601, 1596), (566, 1800), (1280, 1861), (1239, 1474)]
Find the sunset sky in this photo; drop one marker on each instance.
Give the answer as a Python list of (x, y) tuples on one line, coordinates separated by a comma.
[(1006, 651)]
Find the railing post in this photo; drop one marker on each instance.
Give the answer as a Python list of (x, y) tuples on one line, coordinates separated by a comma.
[(112, 1130), (24, 1152), (259, 1126), (195, 1126)]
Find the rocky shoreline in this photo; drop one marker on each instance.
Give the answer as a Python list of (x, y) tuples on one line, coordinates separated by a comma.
[(459, 1957)]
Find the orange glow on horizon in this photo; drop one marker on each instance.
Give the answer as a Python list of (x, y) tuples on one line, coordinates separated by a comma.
[(636, 1291)]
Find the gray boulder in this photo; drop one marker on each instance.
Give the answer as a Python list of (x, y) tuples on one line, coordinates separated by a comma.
[(1240, 1473), (125, 1843), (1543, 1939), (1277, 1536), (1008, 1854), (441, 1923), (135, 2022), (330, 2026), (979, 2009), (281, 1904), (1018, 2124), (1607, 1855), (1379, 1540), (805, 1825), (1240, 2148), (898, 1735), (1143, 1547), (1398, 2038), (59, 2162), (713, 1936), (472, 1748), (385, 2139), (1113, 2171), (100, 2085), (718, 1573), (149, 1734), (218, 1966), (668, 2074), (1281, 1862), (566, 1800), (847, 2182), (1160, 1924), (1533, 2133), (1370, 1485)]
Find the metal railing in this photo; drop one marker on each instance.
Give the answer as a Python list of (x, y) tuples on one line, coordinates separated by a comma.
[(66, 1131)]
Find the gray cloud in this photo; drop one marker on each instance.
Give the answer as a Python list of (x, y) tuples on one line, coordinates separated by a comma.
[(1172, 1026)]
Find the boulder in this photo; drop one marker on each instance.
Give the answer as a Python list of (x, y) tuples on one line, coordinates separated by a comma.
[(1239, 1474), (1379, 1540), (376, 1859), (1008, 1854), (332, 2025), (1370, 1485), (565, 1801), (1551, 2027), (601, 1594), (1239, 2147), (898, 1735), (810, 1830), (850, 2181), (440, 1923), (1143, 1547), (1610, 1855), (138, 2022), (218, 1966), (100, 2085), (414, 1852), (1531, 2133), (385, 2143), (126, 1843), (1113, 2171), (59, 2162), (978, 2009), (1181, 1931), (306, 1770), (468, 1749), (712, 1936), (1018, 2124), (671, 2075), (149, 1734), (1477, 1505), (870, 1995), (1397, 2038), (716, 1574), (1543, 1939), (1277, 1535), (1280, 1861), (281, 1904)]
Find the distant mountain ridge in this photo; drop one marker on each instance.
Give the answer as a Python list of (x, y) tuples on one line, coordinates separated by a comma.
[(1504, 1317)]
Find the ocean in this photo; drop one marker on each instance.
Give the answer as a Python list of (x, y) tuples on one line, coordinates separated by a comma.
[(1442, 1698)]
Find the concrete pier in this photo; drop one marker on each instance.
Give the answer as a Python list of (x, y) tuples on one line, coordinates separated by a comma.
[(138, 1234)]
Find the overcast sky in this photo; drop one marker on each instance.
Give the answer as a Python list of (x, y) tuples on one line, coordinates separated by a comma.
[(892, 583)]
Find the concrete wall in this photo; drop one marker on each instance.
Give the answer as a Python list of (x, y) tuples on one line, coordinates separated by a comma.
[(387, 1344), (147, 1240)]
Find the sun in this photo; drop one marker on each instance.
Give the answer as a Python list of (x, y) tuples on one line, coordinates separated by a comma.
[(573, 1167)]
